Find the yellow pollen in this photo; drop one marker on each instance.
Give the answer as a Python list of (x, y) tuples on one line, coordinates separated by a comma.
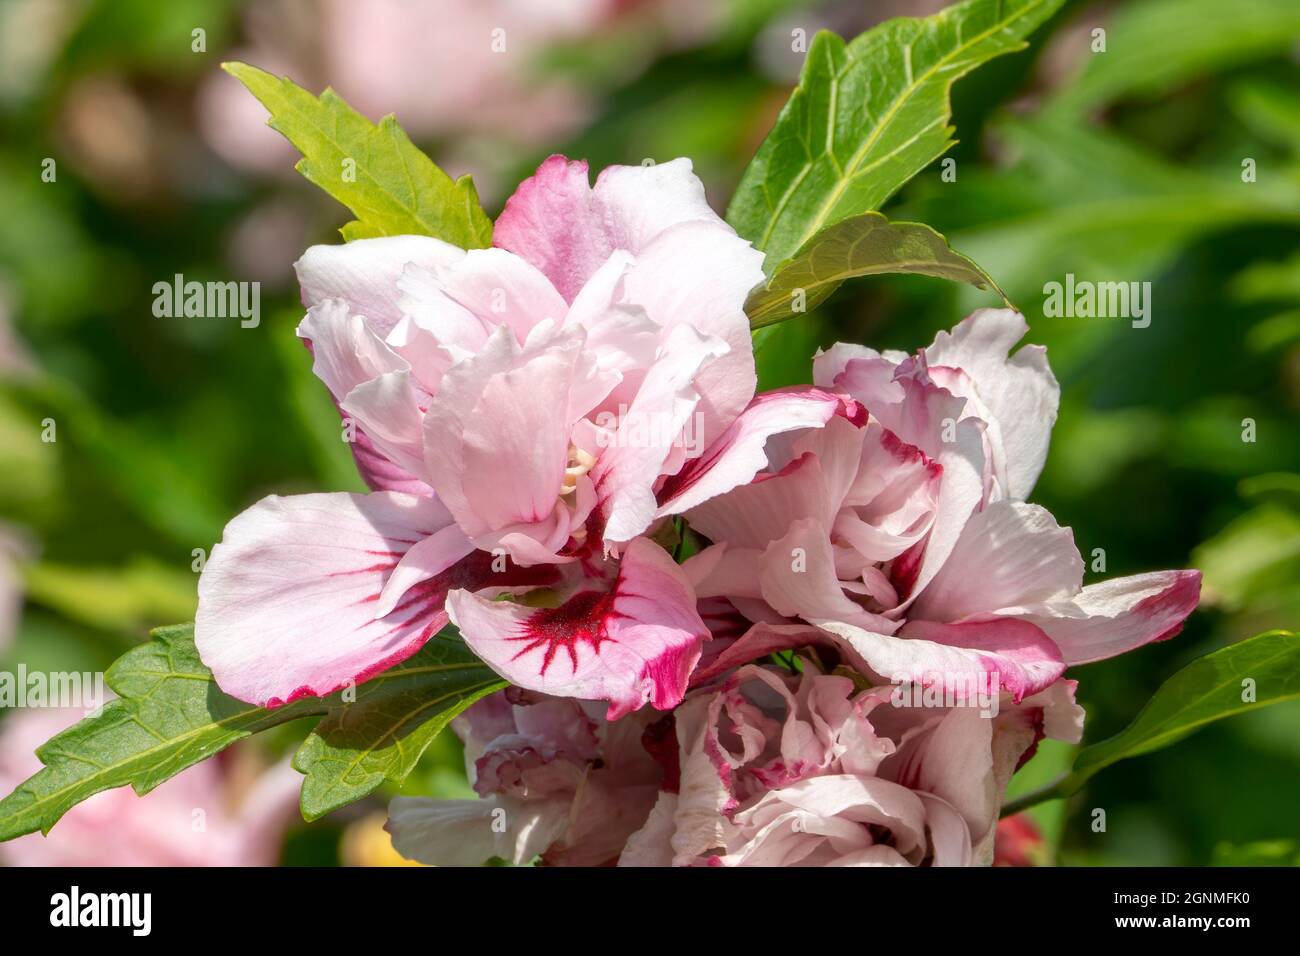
[(580, 463)]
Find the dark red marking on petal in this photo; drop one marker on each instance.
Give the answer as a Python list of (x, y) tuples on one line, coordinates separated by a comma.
[(660, 742), (905, 568), (909, 454), (589, 550), (582, 618), (387, 566), (721, 618), (794, 465), (474, 572)]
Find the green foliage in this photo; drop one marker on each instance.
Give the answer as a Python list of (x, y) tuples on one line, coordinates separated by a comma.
[(1269, 109), (1261, 853), (1054, 213), (1117, 166), (172, 497), (170, 714), (860, 246), (1206, 690), (143, 34), (395, 717), (866, 117), (1255, 557), (122, 598), (1153, 46), (391, 187)]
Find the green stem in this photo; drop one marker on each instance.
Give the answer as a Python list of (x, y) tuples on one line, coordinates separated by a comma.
[(1056, 790)]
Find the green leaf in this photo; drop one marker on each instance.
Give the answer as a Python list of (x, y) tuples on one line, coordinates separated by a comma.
[(859, 246), (1089, 201), (867, 117), (1208, 689), (137, 593), (1255, 557), (1270, 110), (170, 714), (1153, 47), (391, 187), (395, 717), (1261, 853)]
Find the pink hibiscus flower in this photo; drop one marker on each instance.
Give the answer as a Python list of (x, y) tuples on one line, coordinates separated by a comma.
[(774, 769), (900, 536), (557, 781), (526, 413)]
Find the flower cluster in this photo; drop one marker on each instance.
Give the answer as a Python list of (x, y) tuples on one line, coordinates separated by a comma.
[(543, 421)]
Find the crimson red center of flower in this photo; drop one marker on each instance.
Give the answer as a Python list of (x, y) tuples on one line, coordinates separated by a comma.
[(583, 617)]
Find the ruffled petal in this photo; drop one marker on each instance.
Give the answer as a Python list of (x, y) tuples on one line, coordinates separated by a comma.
[(634, 644), (552, 221), (1019, 391), (1009, 554), (364, 274), (958, 659), (287, 599), (637, 203), (471, 832), (738, 454), (1118, 615), (629, 466), (501, 288)]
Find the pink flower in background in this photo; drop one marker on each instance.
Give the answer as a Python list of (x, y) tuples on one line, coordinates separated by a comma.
[(213, 814), (775, 769), (1018, 842), (528, 412), (902, 537), (392, 56), (483, 80), (557, 781)]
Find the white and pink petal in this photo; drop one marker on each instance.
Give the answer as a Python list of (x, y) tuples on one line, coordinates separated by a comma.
[(365, 274), (634, 644), (1116, 616), (287, 600)]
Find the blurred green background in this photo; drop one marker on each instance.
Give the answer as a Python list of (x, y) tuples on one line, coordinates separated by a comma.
[(1122, 164)]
